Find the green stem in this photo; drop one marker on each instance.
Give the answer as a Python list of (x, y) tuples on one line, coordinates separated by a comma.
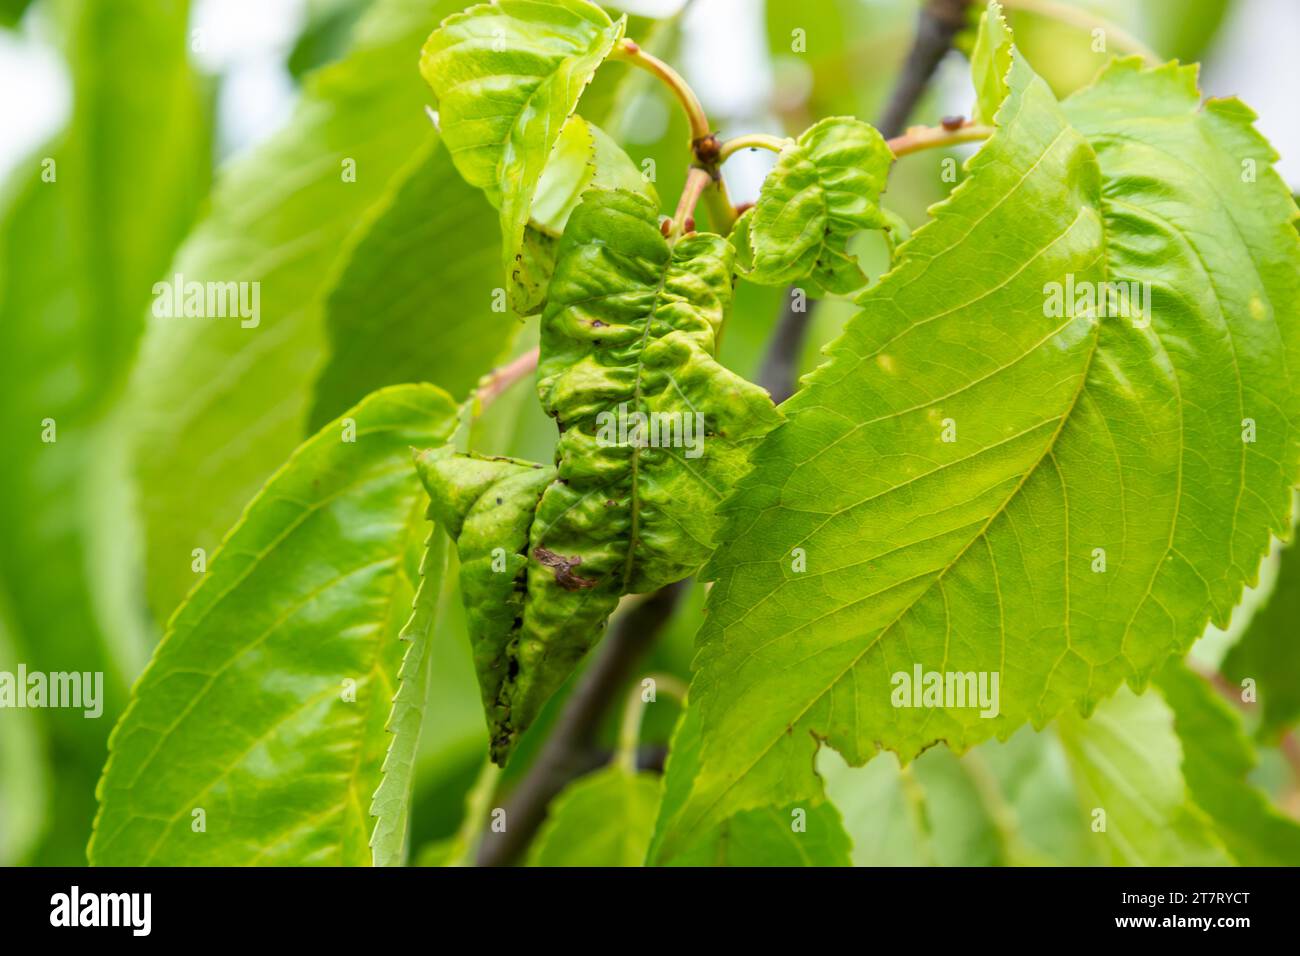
[(698, 182), (753, 141), (628, 51), (1083, 20), (918, 138), (629, 734), (722, 214)]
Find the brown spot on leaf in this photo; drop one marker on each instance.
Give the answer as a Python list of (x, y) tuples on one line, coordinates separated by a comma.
[(563, 568)]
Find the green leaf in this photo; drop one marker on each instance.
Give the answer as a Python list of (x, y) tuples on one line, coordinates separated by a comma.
[(762, 837), (603, 819), (584, 156), (24, 770), (487, 507), (1068, 434), (265, 705), (990, 60), (1267, 652), (824, 190), (1126, 759), (1217, 758), (508, 76), (415, 302), (89, 222), (391, 805), (216, 406)]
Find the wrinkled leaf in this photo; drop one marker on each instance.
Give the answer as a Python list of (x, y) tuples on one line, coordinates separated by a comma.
[(824, 190), (266, 704), (486, 506)]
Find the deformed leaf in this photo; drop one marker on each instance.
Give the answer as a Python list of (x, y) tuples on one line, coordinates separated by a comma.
[(487, 507), (654, 430), (825, 188), (583, 157), (508, 76), (1003, 470), (257, 733)]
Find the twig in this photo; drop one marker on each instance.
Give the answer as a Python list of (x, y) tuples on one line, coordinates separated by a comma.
[(569, 749), (918, 138), (780, 367), (937, 24), (495, 382)]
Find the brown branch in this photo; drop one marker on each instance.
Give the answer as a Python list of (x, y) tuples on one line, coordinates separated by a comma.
[(570, 748), (937, 25), (780, 369)]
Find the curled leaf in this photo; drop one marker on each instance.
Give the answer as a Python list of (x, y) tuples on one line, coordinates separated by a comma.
[(654, 431), (825, 188)]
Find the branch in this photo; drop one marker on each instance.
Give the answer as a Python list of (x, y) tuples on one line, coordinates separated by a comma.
[(570, 750), (780, 367), (937, 25)]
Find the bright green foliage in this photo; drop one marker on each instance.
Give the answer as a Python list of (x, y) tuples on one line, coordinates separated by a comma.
[(216, 406), (949, 523), (1126, 762), (487, 505), (825, 188), (508, 76), (990, 61), (1269, 652), (605, 819), (762, 837), (1216, 760), (89, 222), (267, 702), (584, 156), (399, 312)]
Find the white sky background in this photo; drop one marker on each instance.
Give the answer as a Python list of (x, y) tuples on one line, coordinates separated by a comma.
[(247, 43)]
